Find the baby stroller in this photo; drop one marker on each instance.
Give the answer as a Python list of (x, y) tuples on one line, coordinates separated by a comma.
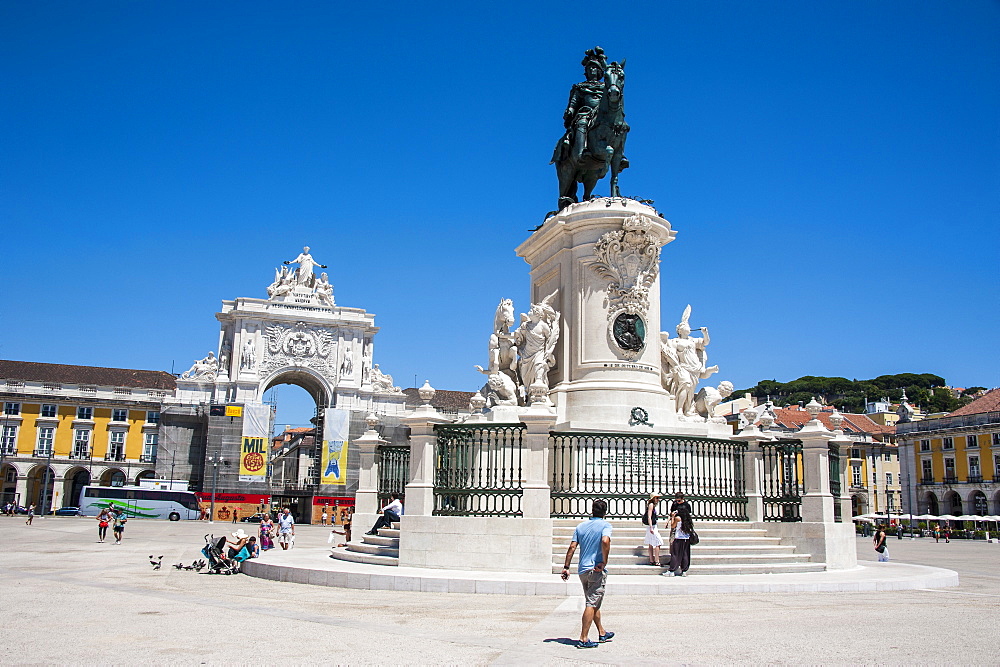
[(217, 562)]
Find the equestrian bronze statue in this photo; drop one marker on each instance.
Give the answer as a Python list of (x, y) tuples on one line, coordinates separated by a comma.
[(594, 142)]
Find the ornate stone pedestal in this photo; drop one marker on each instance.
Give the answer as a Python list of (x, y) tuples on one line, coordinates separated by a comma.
[(602, 258)]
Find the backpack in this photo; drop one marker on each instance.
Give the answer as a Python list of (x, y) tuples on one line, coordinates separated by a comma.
[(645, 519)]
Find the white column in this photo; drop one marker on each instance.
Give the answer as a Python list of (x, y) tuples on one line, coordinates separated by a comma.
[(753, 469), (366, 498), (420, 490), (817, 503), (535, 499)]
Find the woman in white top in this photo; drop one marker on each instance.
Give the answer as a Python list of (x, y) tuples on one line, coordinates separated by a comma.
[(652, 539)]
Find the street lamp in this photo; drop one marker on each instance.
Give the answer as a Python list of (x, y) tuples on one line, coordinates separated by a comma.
[(215, 461)]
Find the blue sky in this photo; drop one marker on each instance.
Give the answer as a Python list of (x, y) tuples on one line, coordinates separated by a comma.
[(832, 170)]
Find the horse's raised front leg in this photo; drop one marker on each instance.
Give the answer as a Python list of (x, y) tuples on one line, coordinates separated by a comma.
[(616, 164)]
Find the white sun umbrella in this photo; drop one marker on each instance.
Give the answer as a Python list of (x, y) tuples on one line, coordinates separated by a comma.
[(971, 517), (927, 517), (948, 517)]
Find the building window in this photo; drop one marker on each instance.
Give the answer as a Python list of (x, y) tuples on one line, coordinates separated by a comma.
[(119, 415), (152, 439), (972, 442), (83, 412), (12, 409), (888, 456), (116, 446), (890, 501), (152, 417), (996, 439), (874, 479), (925, 445), (856, 476), (81, 443), (49, 410), (928, 471), (855, 453), (975, 472), (949, 470), (9, 440), (888, 479), (46, 435), (149, 448), (948, 443)]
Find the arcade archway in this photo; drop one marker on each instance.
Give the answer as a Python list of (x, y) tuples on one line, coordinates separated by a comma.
[(113, 477), (76, 479), (931, 505), (41, 481), (8, 484)]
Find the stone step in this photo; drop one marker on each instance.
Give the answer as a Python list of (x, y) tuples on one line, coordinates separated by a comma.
[(701, 549), (564, 541), (341, 553), (636, 523), (711, 559), (641, 530), (375, 549), (380, 540), (705, 569)]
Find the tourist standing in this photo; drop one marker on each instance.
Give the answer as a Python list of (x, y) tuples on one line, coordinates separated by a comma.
[(286, 529), (594, 539), (236, 514), (879, 543), (652, 540), (266, 528), (103, 521), (682, 527), (326, 514), (31, 515), (118, 525), (937, 533)]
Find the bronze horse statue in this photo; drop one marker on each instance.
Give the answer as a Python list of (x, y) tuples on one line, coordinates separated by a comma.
[(605, 144)]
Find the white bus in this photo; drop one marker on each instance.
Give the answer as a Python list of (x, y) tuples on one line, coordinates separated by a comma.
[(139, 502)]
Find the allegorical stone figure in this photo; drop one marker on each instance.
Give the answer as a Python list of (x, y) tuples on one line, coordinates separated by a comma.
[(305, 276), (536, 340), (684, 362), (594, 118)]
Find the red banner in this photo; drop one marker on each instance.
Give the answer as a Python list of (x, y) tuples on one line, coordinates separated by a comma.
[(333, 500), (255, 499)]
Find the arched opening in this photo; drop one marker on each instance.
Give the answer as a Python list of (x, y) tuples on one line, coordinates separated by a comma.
[(996, 503), (931, 505), (858, 506), (979, 504), (953, 503), (113, 477), (41, 481), (145, 474), (76, 479), (8, 484), (298, 399)]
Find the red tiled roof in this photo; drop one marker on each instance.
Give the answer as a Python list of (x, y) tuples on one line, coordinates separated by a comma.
[(856, 423), (988, 402), (34, 371)]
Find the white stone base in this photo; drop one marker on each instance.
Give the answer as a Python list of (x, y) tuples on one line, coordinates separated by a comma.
[(501, 544), (830, 543)]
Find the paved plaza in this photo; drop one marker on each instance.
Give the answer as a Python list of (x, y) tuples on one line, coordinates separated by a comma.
[(68, 599)]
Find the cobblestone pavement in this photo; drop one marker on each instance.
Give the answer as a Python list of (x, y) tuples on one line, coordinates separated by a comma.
[(68, 599)]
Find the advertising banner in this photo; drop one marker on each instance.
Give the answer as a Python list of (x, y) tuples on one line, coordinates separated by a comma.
[(253, 449), (334, 452)]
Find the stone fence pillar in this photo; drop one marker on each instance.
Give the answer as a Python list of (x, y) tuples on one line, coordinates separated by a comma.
[(366, 498), (420, 490), (536, 500), (753, 468)]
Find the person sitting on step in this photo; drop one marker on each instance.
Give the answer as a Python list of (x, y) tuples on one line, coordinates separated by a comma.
[(389, 514)]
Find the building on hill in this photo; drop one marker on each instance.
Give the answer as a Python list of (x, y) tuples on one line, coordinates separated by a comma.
[(64, 427), (954, 460), (873, 458)]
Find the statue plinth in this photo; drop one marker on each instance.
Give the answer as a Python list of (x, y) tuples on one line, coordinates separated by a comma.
[(603, 256)]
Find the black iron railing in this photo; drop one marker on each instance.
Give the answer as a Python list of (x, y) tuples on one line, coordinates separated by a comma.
[(974, 479), (927, 480), (393, 470), (781, 486), (624, 469), (950, 479), (478, 470), (835, 482)]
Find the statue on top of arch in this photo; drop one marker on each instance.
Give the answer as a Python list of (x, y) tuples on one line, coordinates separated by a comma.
[(302, 280)]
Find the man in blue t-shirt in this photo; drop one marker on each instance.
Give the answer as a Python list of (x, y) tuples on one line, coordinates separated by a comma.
[(594, 539)]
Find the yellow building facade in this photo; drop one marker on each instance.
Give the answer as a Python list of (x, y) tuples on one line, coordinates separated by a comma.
[(954, 460), (64, 427)]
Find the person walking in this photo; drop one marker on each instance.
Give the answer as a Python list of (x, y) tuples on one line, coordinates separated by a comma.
[(103, 521), (236, 514), (31, 515), (266, 526), (286, 529), (937, 533), (326, 514), (594, 539), (652, 540), (118, 525), (879, 543), (682, 527)]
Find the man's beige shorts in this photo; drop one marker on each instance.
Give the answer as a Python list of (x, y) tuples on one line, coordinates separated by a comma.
[(593, 587)]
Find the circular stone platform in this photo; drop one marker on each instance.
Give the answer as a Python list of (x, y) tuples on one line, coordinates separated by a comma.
[(312, 565)]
